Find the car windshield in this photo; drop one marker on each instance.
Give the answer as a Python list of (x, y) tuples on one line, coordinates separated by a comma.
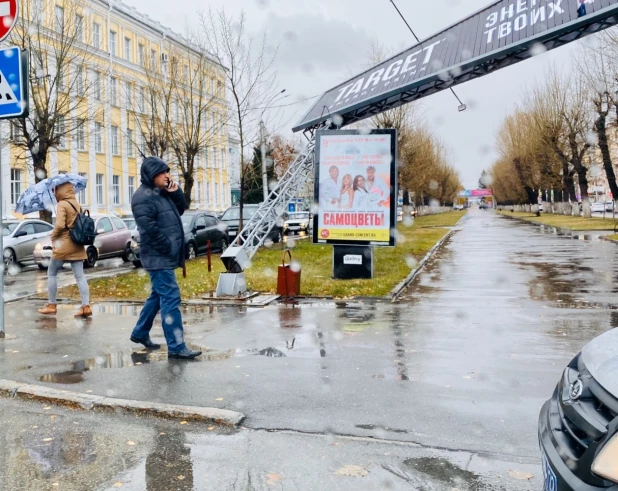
[(8, 228), (187, 220), (234, 213), (299, 216), (130, 224)]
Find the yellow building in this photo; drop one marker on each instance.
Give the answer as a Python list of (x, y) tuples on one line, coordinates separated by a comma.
[(119, 47)]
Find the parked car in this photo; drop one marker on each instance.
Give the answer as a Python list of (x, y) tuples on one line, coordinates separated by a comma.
[(231, 219), (610, 206), (20, 239), (113, 240), (483, 206), (131, 225), (458, 207), (597, 207), (298, 221), (199, 227), (578, 426)]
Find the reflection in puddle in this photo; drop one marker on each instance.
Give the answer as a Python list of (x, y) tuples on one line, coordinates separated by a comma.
[(169, 465), (124, 359), (445, 471)]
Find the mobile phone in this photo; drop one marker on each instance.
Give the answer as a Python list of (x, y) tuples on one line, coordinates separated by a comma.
[(170, 184)]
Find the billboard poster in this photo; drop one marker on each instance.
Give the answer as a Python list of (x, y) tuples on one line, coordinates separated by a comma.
[(356, 187)]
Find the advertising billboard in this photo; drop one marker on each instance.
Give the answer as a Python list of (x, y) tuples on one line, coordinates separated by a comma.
[(356, 187), (476, 193), (499, 35)]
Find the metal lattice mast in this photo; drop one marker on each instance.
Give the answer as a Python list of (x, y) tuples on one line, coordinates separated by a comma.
[(256, 230)]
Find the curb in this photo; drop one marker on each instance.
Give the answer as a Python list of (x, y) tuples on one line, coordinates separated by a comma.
[(561, 229), (76, 400), (607, 239), (395, 292)]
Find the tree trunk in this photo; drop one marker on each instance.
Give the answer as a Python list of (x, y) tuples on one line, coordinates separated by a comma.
[(532, 195), (601, 129), (188, 187), (40, 173)]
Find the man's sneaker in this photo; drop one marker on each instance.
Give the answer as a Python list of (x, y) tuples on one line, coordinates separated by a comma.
[(147, 343), (186, 354)]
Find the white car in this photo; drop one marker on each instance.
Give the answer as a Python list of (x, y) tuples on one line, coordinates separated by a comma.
[(610, 206), (597, 207), (20, 239)]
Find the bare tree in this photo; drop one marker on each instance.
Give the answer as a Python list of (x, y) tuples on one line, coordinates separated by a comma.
[(597, 65), (56, 41), (251, 79), (193, 124)]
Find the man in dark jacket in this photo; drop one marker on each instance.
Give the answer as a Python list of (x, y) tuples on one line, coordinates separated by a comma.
[(581, 11), (157, 206)]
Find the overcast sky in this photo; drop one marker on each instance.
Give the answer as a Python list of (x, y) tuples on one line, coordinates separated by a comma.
[(323, 42)]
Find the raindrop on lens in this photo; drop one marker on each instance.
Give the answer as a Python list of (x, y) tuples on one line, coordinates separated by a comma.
[(337, 120), (537, 49), (408, 221), (295, 266), (411, 262), (169, 320), (291, 243)]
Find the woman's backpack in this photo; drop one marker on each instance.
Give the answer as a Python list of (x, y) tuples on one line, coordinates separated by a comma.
[(83, 231)]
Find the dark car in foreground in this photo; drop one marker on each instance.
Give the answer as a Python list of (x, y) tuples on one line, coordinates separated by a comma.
[(199, 227), (578, 426), (231, 219)]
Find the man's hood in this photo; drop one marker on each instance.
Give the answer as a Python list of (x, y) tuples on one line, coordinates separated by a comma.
[(152, 167), (65, 191)]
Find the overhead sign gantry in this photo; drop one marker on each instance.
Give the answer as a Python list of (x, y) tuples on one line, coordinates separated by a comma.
[(504, 33)]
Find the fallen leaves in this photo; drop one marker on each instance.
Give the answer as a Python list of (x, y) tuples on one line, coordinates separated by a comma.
[(219, 399), (46, 408), (180, 478), (521, 476), (131, 443), (210, 428), (272, 479), (351, 471), (117, 485), (47, 439), (184, 423)]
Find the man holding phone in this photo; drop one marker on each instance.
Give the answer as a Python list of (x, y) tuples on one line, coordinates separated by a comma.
[(157, 207)]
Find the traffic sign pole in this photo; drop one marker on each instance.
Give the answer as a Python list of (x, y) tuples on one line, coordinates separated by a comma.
[(1, 244)]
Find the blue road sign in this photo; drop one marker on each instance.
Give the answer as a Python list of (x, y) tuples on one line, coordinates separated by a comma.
[(13, 83)]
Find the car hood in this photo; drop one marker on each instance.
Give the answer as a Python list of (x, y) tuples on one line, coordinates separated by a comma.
[(601, 359)]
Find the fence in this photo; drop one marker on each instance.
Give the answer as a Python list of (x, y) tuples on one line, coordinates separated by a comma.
[(568, 209)]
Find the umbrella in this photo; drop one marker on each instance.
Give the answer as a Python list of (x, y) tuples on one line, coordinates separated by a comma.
[(40, 197)]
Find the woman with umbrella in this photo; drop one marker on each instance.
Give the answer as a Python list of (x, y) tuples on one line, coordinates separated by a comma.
[(63, 247)]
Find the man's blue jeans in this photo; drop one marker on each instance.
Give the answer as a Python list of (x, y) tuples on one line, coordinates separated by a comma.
[(165, 296)]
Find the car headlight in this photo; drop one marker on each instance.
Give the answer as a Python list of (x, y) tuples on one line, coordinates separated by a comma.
[(38, 247), (606, 463), (134, 245)]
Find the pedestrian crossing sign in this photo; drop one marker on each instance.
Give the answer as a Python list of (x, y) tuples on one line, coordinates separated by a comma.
[(13, 83)]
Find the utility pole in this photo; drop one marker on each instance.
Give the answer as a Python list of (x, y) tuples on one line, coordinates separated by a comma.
[(264, 168)]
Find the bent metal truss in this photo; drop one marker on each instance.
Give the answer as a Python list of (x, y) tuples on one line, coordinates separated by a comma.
[(502, 34)]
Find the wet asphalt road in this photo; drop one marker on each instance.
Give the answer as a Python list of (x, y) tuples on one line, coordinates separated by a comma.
[(439, 391), (28, 279)]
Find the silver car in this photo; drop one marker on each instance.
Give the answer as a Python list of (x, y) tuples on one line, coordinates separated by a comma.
[(21, 237)]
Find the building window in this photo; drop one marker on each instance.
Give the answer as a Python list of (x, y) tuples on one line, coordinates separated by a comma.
[(141, 99), (79, 80), (224, 195), (59, 15), (81, 195), (61, 130), (61, 84), (79, 28), (15, 185), (112, 43), (98, 137), (199, 192), (214, 157), (100, 179), (128, 95), (116, 189), (96, 85), (113, 91), (37, 11), (140, 54), (127, 49), (144, 147), (80, 135), (115, 149), (96, 35), (206, 163), (222, 156), (207, 194), (131, 188), (216, 194), (129, 144), (153, 59)]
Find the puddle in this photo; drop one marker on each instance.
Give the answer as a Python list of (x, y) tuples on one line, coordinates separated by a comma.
[(445, 471), (382, 428), (123, 359)]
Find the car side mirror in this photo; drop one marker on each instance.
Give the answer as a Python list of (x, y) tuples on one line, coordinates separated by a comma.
[(200, 227), (21, 233), (100, 231)]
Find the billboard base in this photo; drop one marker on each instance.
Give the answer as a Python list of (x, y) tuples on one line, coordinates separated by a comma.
[(352, 262)]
